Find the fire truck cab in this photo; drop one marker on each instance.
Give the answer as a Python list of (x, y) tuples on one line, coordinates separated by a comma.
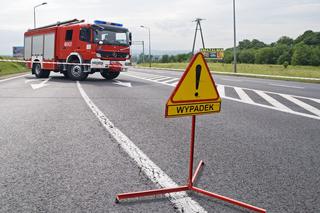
[(76, 49)]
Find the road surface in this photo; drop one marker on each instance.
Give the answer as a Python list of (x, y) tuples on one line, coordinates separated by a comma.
[(71, 147)]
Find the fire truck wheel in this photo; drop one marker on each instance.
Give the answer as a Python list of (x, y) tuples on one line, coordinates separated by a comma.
[(109, 75), (40, 73), (75, 73)]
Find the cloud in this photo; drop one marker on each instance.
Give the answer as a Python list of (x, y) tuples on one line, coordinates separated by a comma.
[(170, 21)]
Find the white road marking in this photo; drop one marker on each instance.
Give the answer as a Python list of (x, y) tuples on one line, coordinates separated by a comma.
[(274, 108), (287, 86), (316, 100), (31, 80), (40, 85), (229, 79), (125, 84), (272, 101), (170, 80), (8, 79), (302, 104), (221, 90), (164, 78), (282, 109), (243, 96), (157, 78), (181, 201), (275, 93)]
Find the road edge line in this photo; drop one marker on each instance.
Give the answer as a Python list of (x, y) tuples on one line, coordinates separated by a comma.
[(12, 78), (181, 201)]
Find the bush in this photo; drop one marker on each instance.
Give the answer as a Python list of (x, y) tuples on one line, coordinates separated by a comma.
[(285, 64)]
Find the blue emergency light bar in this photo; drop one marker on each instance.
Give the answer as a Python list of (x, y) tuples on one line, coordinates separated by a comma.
[(109, 23)]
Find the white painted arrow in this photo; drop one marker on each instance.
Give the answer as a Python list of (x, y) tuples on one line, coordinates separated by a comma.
[(42, 84), (125, 84)]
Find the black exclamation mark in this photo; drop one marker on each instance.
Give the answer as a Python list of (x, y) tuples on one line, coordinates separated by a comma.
[(198, 73)]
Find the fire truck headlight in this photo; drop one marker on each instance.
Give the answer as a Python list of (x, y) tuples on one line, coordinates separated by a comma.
[(98, 55)]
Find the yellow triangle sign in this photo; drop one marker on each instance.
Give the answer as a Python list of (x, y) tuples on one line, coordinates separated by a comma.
[(196, 92)]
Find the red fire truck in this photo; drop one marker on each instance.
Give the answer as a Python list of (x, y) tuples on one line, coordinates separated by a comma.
[(76, 49)]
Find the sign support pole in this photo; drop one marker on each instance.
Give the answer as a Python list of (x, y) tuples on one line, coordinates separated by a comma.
[(193, 130)]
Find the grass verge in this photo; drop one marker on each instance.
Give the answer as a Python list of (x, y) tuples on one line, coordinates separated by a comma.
[(260, 69), (9, 68)]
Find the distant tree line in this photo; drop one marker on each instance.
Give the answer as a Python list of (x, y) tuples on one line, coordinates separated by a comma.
[(304, 50), (184, 57)]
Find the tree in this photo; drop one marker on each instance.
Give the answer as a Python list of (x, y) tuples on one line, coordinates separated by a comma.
[(302, 55), (247, 56), (165, 59), (255, 43), (281, 53), (309, 37), (285, 40), (245, 44), (265, 56), (228, 55), (172, 59)]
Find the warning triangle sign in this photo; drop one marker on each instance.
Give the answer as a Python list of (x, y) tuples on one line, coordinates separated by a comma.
[(196, 92)]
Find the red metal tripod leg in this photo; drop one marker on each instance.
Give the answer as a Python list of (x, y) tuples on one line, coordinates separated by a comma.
[(151, 192), (201, 163), (229, 200)]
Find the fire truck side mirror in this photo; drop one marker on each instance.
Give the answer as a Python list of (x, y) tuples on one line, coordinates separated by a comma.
[(130, 38)]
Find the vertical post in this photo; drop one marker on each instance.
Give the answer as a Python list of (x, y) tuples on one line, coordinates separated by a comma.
[(193, 129), (149, 49), (143, 51), (194, 40), (234, 38), (201, 34), (34, 17)]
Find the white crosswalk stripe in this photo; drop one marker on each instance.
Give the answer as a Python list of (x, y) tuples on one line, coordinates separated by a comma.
[(302, 104), (221, 90), (244, 97), (271, 100)]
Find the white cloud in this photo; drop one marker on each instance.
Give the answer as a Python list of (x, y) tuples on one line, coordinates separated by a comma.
[(170, 21)]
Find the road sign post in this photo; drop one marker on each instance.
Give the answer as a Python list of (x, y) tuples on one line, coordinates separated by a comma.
[(195, 94)]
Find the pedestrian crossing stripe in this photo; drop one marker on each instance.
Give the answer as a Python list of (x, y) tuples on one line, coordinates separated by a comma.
[(196, 92)]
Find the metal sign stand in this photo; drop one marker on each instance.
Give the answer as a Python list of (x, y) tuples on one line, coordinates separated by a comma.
[(190, 185), (192, 176)]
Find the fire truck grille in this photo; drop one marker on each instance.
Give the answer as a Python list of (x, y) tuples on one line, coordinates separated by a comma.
[(112, 54)]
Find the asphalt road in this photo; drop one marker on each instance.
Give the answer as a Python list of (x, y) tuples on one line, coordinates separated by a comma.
[(56, 156)]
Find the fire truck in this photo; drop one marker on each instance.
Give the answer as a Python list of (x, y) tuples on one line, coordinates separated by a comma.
[(77, 49)]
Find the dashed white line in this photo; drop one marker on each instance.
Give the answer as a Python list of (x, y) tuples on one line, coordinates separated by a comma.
[(181, 201)]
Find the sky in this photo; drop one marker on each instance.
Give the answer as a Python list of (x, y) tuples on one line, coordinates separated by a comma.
[(170, 21)]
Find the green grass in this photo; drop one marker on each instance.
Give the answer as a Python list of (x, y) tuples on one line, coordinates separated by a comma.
[(262, 69), (8, 68)]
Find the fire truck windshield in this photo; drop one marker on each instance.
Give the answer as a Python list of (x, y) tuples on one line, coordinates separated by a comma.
[(111, 37)]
